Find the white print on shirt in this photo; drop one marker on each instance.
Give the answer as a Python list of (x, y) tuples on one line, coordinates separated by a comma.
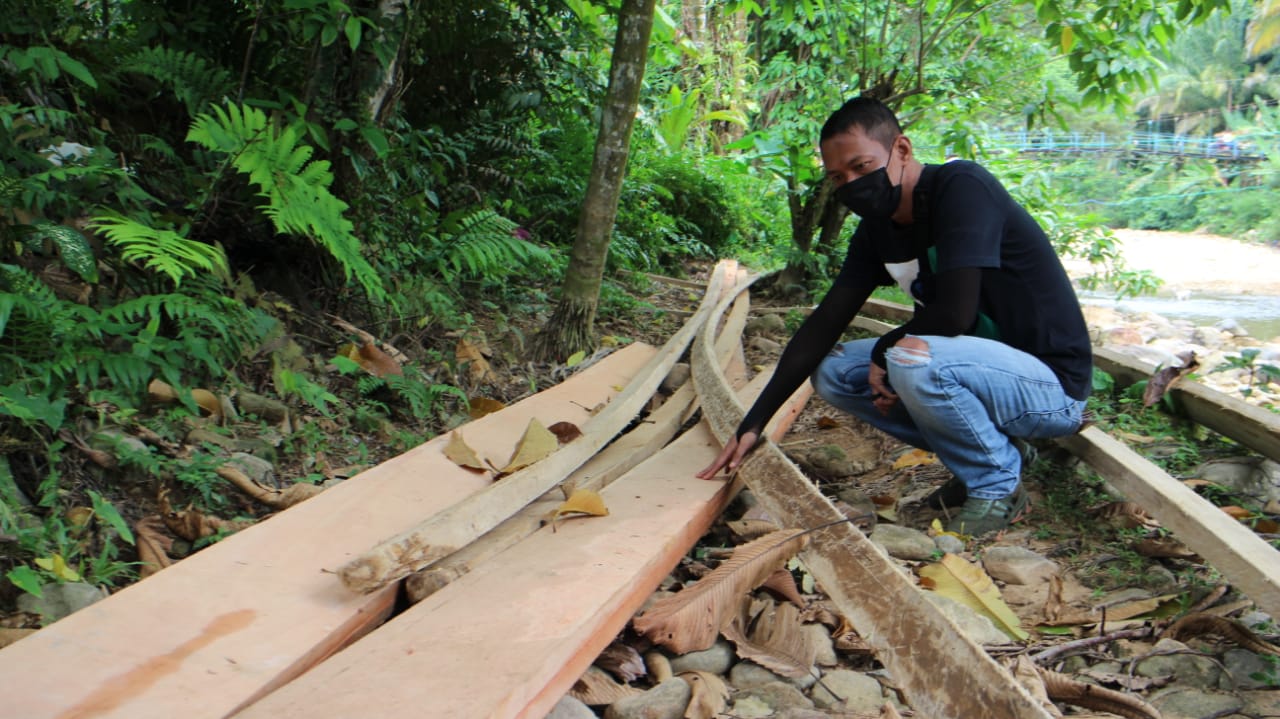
[(904, 273)]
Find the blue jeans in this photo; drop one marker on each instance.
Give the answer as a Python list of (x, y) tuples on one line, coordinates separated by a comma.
[(964, 399)]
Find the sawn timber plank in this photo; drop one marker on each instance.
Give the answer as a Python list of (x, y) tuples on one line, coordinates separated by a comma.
[(513, 635), (236, 620)]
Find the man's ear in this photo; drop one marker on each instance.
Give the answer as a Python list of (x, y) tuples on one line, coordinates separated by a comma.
[(902, 147)]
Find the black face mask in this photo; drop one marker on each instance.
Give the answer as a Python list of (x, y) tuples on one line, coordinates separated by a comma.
[(871, 196)]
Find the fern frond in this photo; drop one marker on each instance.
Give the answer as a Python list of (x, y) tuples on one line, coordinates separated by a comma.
[(195, 81), (163, 251), (295, 187), (483, 244)]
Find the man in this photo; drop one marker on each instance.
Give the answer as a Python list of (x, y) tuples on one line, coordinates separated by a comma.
[(996, 351)]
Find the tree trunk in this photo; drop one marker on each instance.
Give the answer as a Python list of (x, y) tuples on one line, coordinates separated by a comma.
[(806, 217), (572, 326), (378, 82)]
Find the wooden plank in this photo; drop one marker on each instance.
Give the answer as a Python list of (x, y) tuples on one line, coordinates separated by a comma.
[(1248, 562), (449, 530), (957, 680), (238, 619), (511, 637), (1248, 424)]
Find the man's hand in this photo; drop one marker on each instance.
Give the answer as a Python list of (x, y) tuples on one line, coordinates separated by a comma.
[(731, 456), (878, 378)]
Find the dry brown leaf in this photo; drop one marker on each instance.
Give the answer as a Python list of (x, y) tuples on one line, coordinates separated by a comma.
[(461, 453), (480, 406), (782, 584), (848, 641), (710, 695), (1165, 377), (1195, 625), (1116, 612), (622, 661), (1235, 512), (9, 636), (825, 422), (1162, 547), (566, 432), (596, 688), (162, 392), (1028, 675), (373, 360), (536, 444), (914, 458), (192, 525), (1064, 689), (968, 584), (270, 496), (153, 545), (472, 355), (1273, 507), (771, 635), (583, 502), (1266, 526), (690, 620), (749, 529), (1125, 515), (659, 666), (207, 401)]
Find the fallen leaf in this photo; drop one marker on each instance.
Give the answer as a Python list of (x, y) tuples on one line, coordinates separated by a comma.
[(79, 516), (782, 584), (1125, 515), (710, 695), (192, 525), (1162, 547), (771, 635), (915, 458), (207, 401), (1062, 688), (480, 406), (58, 567), (622, 661), (970, 585), (472, 355), (690, 620), (825, 422), (566, 432), (583, 502), (1200, 624), (749, 529), (1273, 507), (1025, 672), (1165, 377), (1239, 513), (461, 454), (536, 444), (575, 358), (596, 688), (373, 360), (1267, 526), (162, 392), (153, 545)]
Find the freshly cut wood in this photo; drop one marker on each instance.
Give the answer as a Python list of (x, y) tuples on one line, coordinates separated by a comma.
[(511, 637), (1251, 565), (614, 461), (448, 531), (236, 620), (1248, 424), (957, 680)]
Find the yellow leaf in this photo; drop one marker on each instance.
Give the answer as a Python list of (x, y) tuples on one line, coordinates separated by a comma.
[(462, 454), (208, 401), (57, 566), (915, 458), (79, 516), (575, 358), (582, 501), (609, 341), (936, 529), (162, 392), (537, 443), (966, 583), (480, 406)]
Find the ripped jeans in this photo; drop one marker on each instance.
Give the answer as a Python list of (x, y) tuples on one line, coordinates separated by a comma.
[(962, 398)]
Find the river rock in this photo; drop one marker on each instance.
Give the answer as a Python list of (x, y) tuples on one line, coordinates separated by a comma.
[(820, 638), (1018, 565), (256, 468), (766, 345), (1249, 670), (1182, 702), (1261, 703), (770, 324), (849, 691), (975, 626), (570, 708), (668, 700), (748, 674), (59, 600), (903, 542), (778, 696), (948, 544), (1187, 669), (716, 659), (679, 374)]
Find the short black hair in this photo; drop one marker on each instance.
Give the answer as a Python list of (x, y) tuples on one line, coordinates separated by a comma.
[(870, 115)]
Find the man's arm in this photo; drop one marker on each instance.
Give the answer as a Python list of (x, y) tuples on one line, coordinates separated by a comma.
[(951, 312)]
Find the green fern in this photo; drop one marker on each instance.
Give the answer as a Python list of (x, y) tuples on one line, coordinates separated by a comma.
[(163, 251), (483, 244), (195, 81), (295, 187)]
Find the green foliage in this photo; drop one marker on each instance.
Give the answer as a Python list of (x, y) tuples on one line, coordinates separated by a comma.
[(195, 81), (163, 251), (295, 187), (1260, 374)]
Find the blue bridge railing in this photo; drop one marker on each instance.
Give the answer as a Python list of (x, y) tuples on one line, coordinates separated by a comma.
[(1149, 143)]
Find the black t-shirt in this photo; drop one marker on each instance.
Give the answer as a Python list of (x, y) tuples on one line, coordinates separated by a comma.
[(979, 236)]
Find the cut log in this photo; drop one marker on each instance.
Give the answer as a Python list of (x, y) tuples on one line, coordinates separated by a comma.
[(238, 619), (957, 680), (1248, 562), (1248, 424), (511, 637), (616, 460), (448, 531)]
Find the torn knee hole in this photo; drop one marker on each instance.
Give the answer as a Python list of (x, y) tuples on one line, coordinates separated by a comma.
[(909, 351)]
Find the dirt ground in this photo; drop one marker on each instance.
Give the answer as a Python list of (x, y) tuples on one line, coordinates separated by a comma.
[(1200, 262)]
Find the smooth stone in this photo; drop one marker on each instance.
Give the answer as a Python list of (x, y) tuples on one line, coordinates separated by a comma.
[(1018, 565), (1182, 702), (1250, 671), (748, 674), (60, 600), (716, 659), (570, 708), (750, 707), (764, 344), (1261, 703), (826, 646), (948, 544), (257, 468), (975, 626), (1189, 670), (778, 696), (668, 700), (848, 690), (679, 374), (766, 325), (903, 542)]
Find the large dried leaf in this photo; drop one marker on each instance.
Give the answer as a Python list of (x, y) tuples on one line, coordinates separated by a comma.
[(1164, 378), (566, 432), (622, 661), (153, 545), (1062, 688), (472, 354), (1196, 625), (207, 401), (710, 695), (1112, 612), (583, 502), (270, 496), (478, 407), (373, 360), (782, 584), (689, 621), (968, 584), (536, 444), (915, 458), (1125, 515), (772, 635), (596, 688), (461, 453), (750, 529), (1028, 675), (191, 524)]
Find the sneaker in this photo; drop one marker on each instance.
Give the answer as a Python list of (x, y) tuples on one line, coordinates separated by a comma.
[(979, 516), (952, 493)]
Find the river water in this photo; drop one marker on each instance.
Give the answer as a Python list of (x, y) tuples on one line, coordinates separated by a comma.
[(1259, 314)]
